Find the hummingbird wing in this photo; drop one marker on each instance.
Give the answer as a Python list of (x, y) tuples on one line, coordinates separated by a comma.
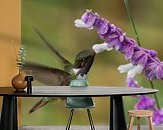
[(65, 62), (84, 61), (48, 75)]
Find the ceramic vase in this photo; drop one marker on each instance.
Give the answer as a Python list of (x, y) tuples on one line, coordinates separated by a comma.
[(18, 82)]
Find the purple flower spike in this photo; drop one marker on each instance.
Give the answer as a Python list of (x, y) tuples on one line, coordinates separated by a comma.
[(158, 117), (145, 102), (89, 18), (116, 39), (141, 60)]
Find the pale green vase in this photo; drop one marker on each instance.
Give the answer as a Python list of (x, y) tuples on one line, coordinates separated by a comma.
[(79, 102), (78, 83)]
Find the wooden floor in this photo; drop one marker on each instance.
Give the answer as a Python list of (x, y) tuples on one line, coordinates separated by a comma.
[(79, 128)]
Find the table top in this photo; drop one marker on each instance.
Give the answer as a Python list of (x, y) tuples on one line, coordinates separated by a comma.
[(66, 91)]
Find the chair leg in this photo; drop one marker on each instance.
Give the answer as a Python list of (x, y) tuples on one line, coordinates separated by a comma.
[(150, 123), (138, 123), (90, 120), (131, 123), (70, 119)]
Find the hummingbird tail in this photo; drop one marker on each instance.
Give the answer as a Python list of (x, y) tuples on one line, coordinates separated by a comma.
[(39, 104)]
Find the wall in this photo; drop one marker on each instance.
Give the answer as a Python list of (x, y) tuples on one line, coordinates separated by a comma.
[(10, 29)]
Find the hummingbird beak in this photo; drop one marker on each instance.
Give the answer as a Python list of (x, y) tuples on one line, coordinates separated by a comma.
[(75, 71)]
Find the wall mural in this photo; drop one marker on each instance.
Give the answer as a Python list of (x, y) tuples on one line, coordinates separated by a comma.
[(52, 43)]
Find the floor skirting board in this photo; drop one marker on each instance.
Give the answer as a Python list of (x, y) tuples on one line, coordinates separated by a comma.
[(80, 128)]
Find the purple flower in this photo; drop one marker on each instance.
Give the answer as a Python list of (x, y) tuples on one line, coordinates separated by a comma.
[(128, 48), (115, 39), (114, 43), (131, 69), (159, 71), (152, 53), (144, 103), (149, 71), (89, 18), (132, 83), (158, 117), (111, 31), (140, 57), (154, 70), (102, 26)]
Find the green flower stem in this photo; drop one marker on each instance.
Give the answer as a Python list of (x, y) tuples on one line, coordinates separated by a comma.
[(132, 21), (138, 41), (155, 96)]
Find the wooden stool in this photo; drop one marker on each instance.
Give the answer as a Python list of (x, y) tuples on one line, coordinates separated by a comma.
[(140, 113)]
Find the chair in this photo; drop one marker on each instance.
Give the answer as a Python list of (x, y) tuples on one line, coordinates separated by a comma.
[(79, 103), (140, 113)]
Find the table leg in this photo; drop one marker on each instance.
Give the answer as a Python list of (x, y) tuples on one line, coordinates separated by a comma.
[(9, 113), (117, 116)]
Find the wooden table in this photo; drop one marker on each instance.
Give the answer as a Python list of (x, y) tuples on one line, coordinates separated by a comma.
[(117, 117)]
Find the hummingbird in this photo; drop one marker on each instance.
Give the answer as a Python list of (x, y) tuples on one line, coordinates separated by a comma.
[(57, 77)]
